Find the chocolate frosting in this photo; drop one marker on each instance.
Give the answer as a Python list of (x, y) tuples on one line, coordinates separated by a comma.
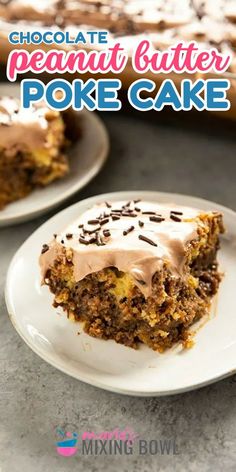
[(22, 129), (138, 240)]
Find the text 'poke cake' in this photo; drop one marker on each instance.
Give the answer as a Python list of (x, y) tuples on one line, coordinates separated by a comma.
[(136, 272)]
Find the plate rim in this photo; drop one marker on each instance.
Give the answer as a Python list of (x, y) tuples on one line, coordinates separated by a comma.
[(88, 378), (72, 190)]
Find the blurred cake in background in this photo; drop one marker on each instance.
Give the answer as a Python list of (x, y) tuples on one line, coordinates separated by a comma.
[(210, 22), (32, 149)]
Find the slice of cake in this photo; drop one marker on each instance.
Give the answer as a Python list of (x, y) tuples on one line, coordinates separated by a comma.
[(32, 146), (136, 271)]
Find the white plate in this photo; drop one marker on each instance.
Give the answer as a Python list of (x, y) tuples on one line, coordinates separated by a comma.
[(86, 159), (104, 363)]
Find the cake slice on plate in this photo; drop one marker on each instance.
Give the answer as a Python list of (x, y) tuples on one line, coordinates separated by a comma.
[(32, 144), (136, 272)]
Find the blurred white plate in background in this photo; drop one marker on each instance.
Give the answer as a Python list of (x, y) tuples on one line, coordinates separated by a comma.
[(87, 156)]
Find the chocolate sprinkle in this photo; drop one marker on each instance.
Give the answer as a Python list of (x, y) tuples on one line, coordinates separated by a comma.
[(126, 205), (156, 219), (127, 231), (98, 234), (103, 222), (93, 222), (126, 213), (83, 241), (147, 240), (92, 240), (88, 231), (176, 212), (45, 248), (175, 218), (148, 212)]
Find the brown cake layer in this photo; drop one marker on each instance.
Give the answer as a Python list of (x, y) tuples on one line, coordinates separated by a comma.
[(20, 178)]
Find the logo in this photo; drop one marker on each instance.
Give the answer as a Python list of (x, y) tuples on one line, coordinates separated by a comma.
[(67, 444), (112, 443)]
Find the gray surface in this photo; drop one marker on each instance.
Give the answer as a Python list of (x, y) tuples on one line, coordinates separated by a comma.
[(154, 152)]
